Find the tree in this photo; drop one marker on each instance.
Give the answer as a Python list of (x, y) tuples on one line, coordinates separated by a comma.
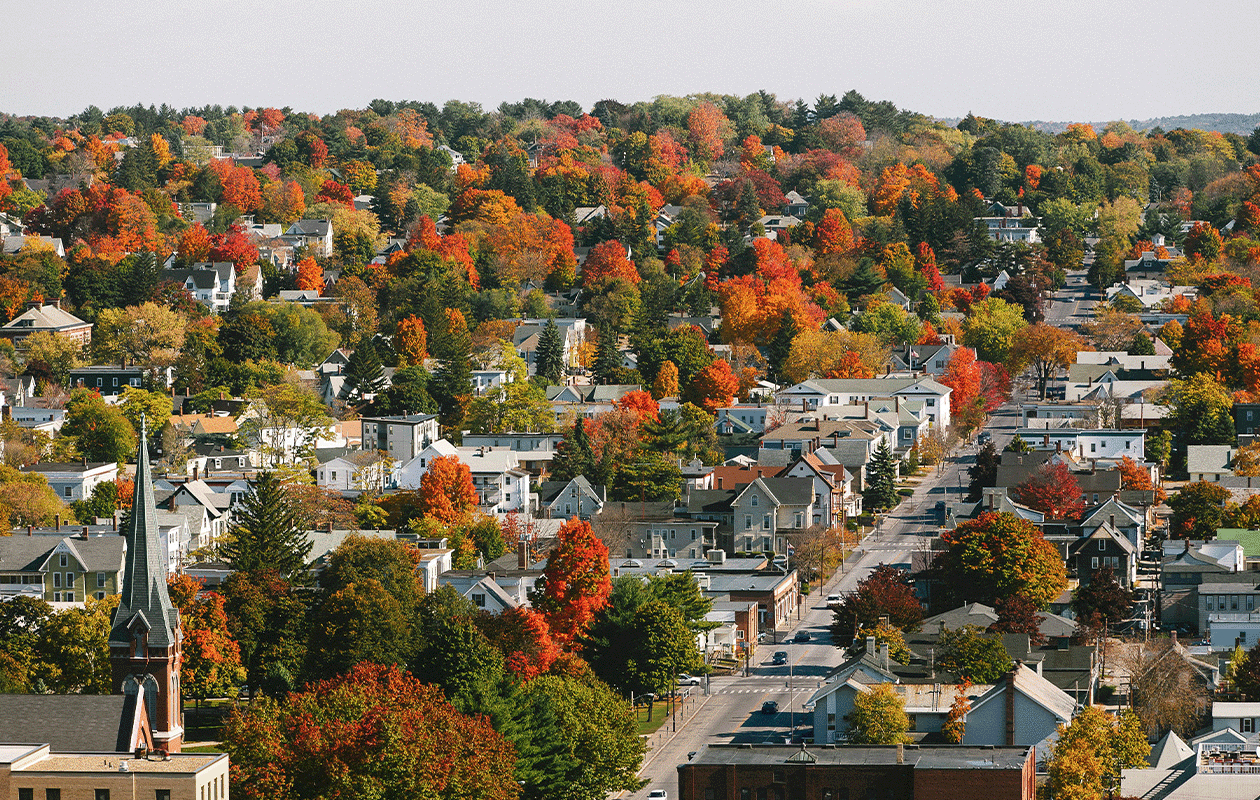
[(575, 583), (267, 619), (1018, 614), (997, 555), (878, 717), (666, 383), (1046, 349), (1246, 676), (265, 535), (886, 592), (1198, 510), (361, 622), (374, 731), (453, 653), (446, 490), (27, 499), (99, 431), (1111, 329), (550, 353), (390, 562), (715, 386), (984, 472), (153, 407), (1052, 489), (212, 659), (1103, 600), (954, 728), (287, 419), (51, 357), (364, 374), (607, 261), (451, 383), (1087, 760), (148, 335), (71, 650), (21, 619), (972, 654), (574, 456), (991, 327), (1199, 410), (517, 406), (411, 341), (1166, 689), (881, 489)]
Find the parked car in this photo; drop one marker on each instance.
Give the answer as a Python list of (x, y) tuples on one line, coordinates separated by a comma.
[(689, 680), (780, 657), (983, 437), (834, 600), (658, 794), (801, 636), (769, 707), (939, 510)]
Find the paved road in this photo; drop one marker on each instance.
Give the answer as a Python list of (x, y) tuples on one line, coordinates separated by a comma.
[(1073, 304)]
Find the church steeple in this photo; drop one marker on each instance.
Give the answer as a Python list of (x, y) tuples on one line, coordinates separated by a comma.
[(146, 640)]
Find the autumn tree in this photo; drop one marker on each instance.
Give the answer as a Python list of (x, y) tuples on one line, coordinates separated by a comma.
[(954, 728), (411, 341), (715, 386), (878, 717), (339, 736), (99, 431), (71, 649), (991, 327), (1135, 477), (1087, 760), (1046, 349), (973, 654), (309, 275), (1102, 600), (446, 490), (1166, 690), (1053, 490), (607, 261), (997, 555), (148, 335), (1199, 410), (666, 383), (576, 583), (1198, 510), (212, 659), (886, 592)]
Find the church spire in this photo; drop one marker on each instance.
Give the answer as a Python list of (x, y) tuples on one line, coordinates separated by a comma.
[(144, 593)]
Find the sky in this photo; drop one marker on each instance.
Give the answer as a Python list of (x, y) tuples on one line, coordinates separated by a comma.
[(1061, 60)]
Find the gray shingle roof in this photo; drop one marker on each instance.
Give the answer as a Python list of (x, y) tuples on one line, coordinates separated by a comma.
[(71, 723)]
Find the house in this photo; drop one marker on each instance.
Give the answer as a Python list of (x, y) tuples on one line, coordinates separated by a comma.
[(15, 244), (652, 530), (316, 235), (211, 283), (307, 298), (534, 451), (1103, 547), (769, 510), (796, 205), (587, 401), (905, 772), (27, 769), (526, 336), (75, 481), (107, 380), (46, 420), (736, 629), (1210, 462), (46, 318), (777, 595), (826, 392), (484, 380), (347, 474), (774, 224), (1022, 708), (738, 419), (61, 568), (1010, 223), (567, 499), (502, 486), (832, 485), (1213, 766), (402, 437), (484, 593), (1104, 446)]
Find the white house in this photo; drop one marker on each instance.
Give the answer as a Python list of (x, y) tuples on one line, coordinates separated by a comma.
[(1102, 445), (403, 436), (351, 476), (314, 234), (824, 392), (212, 284), (1209, 462), (75, 481)]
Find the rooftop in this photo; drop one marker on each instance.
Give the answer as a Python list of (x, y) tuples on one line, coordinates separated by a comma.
[(916, 756)]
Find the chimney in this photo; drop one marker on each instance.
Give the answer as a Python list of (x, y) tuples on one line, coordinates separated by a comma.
[(901, 753), (1010, 704), (1058, 447), (870, 645), (1173, 635), (1113, 522), (196, 471), (85, 532), (883, 655), (57, 517), (931, 662), (522, 554)]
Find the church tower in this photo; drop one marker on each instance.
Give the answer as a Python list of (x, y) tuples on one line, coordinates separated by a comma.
[(146, 641)]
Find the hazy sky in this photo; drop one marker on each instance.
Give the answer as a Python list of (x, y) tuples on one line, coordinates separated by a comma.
[(1064, 60)]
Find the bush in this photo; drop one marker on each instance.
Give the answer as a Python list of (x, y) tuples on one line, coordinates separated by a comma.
[(905, 492)]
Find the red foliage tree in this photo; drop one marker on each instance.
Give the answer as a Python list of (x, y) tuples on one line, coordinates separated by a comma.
[(715, 386), (641, 404), (194, 244), (234, 246), (833, 234), (608, 260), (337, 193), (1052, 489), (885, 592), (525, 639), (446, 490), (576, 583), (372, 732), (309, 275)]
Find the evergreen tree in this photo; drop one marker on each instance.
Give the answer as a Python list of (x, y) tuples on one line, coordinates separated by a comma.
[(550, 365), (780, 346), (864, 280), (452, 381), (364, 373), (266, 535), (607, 356), (1141, 345), (984, 472), (748, 209), (574, 455), (881, 479)]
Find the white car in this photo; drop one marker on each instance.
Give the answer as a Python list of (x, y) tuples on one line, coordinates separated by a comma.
[(688, 680), (658, 794), (833, 600)]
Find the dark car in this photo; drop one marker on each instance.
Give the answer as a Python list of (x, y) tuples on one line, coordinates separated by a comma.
[(780, 657), (939, 510), (801, 636), (769, 707)]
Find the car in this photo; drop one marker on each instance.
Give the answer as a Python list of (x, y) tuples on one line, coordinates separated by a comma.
[(983, 437), (834, 600), (769, 707), (801, 636), (658, 794), (780, 657), (689, 680)]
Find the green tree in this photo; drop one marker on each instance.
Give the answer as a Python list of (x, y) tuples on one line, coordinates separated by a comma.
[(408, 393), (154, 407), (265, 535), (99, 430), (362, 622), (984, 472), (550, 354), (864, 280), (878, 717), (973, 654), (651, 476), (881, 475), (991, 327), (1199, 410), (21, 619), (390, 562), (267, 618), (1198, 510), (518, 406), (607, 356), (780, 346), (364, 374), (71, 653), (574, 455)]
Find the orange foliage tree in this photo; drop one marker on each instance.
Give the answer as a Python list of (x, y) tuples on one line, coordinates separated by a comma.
[(309, 275), (833, 234), (715, 386), (707, 127), (524, 638), (411, 342), (575, 584), (608, 260), (446, 490)]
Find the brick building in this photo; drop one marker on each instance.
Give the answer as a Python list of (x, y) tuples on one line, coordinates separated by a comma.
[(829, 772)]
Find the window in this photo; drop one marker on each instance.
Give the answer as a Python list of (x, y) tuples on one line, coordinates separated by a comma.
[(115, 381), (931, 402), (567, 509), (765, 522), (1093, 563), (55, 794), (56, 580), (165, 794), (1128, 445), (63, 562), (673, 533), (102, 794), (1093, 447), (1247, 725), (100, 595), (67, 494), (69, 580), (1102, 545), (744, 794), (100, 382), (1249, 416), (777, 776), (693, 534), (754, 501), (798, 519), (479, 600), (26, 794), (748, 522)]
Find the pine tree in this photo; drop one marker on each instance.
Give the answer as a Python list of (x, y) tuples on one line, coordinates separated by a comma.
[(781, 346), (881, 479), (864, 280), (451, 382), (266, 535), (364, 373), (748, 208), (574, 455), (607, 356), (550, 354)]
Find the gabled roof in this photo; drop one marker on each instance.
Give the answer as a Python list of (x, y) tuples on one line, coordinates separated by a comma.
[(1103, 532), (44, 317), (1035, 688), (1169, 752), (71, 723)]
